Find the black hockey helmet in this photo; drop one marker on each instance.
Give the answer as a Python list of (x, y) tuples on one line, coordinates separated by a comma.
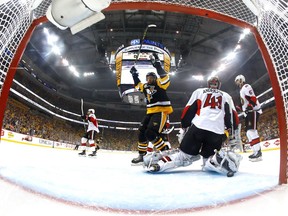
[(214, 82), (151, 74)]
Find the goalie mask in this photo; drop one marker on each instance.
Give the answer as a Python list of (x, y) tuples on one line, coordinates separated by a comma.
[(239, 80), (214, 82), (91, 111)]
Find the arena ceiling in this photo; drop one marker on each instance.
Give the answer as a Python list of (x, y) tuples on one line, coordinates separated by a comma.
[(203, 44)]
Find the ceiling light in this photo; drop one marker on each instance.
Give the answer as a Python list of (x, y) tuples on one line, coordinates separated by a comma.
[(56, 50), (65, 62), (230, 56), (237, 47), (76, 73), (198, 77), (86, 74), (51, 39), (246, 31), (72, 68)]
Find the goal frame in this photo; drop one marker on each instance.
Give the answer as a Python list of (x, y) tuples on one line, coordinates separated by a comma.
[(280, 106)]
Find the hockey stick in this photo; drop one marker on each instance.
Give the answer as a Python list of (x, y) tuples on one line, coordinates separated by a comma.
[(168, 131), (141, 43), (82, 112)]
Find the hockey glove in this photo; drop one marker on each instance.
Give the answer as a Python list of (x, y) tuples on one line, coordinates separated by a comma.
[(249, 108), (83, 117), (155, 61), (134, 71)]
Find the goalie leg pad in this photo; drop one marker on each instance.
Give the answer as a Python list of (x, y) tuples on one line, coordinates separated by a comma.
[(177, 159), (152, 158), (223, 162), (155, 156)]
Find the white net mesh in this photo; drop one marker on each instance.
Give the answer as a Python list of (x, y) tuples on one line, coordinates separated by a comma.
[(272, 23)]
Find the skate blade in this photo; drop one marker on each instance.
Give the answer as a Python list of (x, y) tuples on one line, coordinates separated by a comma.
[(137, 164), (255, 159)]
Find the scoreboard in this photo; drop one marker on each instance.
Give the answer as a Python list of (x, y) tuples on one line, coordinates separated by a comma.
[(125, 58)]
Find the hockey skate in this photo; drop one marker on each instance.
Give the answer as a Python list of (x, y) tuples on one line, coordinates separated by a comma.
[(93, 154), (82, 154), (256, 156), (138, 161)]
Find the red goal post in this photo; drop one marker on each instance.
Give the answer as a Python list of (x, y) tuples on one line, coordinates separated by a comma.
[(269, 26)]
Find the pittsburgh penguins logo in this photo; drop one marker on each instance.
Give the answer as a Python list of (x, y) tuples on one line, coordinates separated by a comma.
[(150, 90)]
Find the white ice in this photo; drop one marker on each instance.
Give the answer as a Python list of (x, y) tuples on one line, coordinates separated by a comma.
[(44, 181)]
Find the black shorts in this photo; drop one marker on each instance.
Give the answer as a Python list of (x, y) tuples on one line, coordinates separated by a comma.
[(90, 135), (251, 121), (198, 141)]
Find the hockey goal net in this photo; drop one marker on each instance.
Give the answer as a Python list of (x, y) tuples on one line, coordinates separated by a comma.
[(267, 19)]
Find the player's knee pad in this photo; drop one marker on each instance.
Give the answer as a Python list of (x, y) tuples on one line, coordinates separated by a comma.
[(91, 143), (252, 134), (83, 141)]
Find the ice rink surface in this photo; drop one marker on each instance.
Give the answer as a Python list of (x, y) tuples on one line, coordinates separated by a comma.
[(45, 181)]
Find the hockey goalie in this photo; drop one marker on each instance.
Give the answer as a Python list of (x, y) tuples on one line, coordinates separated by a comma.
[(204, 119)]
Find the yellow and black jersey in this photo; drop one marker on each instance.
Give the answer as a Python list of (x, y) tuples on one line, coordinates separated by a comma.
[(156, 96)]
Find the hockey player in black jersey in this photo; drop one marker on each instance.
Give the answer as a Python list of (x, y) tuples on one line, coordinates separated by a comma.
[(158, 108)]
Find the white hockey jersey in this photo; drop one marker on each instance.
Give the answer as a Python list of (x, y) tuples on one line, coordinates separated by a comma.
[(92, 123), (248, 96), (207, 109)]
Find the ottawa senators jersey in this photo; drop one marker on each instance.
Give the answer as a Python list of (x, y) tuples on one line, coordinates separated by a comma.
[(207, 109), (92, 123), (156, 96), (247, 97)]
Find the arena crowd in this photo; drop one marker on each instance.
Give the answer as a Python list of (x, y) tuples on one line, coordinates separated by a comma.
[(21, 118)]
